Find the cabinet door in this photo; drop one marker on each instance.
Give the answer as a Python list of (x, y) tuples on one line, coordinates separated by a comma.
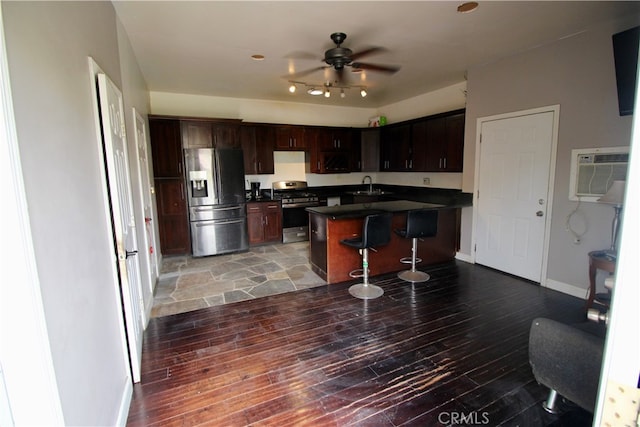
[(196, 134), (370, 150), (455, 143), (265, 141), (290, 138), (166, 148), (419, 145), (436, 140), (173, 221), (247, 136), (255, 223), (341, 139), (272, 222), (396, 148), (225, 135)]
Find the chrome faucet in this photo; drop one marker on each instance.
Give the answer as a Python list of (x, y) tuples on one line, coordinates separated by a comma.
[(370, 183)]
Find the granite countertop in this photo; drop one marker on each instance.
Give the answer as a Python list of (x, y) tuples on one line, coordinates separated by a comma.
[(359, 210)]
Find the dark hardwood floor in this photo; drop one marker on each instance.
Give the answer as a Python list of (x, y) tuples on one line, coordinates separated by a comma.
[(452, 351)]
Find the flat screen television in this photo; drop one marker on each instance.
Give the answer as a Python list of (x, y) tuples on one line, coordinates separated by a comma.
[(625, 54)]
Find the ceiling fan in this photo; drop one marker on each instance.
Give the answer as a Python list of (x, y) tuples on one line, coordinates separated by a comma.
[(339, 57)]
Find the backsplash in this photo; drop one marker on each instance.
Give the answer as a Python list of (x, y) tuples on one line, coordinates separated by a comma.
[(290, 166)]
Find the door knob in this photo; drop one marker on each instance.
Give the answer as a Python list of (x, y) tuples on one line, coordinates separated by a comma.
[(539, 213)]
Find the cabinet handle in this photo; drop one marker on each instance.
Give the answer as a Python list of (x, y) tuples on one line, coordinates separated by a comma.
[(266, 220), (411, 164), (259, 166), (440, 163), (445, 163), (180, 168), (181, 192), (318, 167)]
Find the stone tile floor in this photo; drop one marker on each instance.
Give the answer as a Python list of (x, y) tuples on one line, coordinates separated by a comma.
[(188, 283)]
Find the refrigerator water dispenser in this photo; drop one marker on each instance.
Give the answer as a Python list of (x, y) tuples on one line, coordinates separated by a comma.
[(199, 183)]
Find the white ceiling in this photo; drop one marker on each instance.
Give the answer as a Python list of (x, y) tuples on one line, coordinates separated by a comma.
[(205, 47)]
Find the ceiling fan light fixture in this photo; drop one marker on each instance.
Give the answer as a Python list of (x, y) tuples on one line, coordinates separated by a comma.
[(292, 88), (314, 91), (327, 93), (363, 92), (342, 94), (468, 6), (257, 57)]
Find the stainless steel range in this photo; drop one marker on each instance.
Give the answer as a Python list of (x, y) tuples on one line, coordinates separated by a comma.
[(295, 198)]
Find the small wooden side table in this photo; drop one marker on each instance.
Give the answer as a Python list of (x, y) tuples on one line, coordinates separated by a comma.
[(598, 260)]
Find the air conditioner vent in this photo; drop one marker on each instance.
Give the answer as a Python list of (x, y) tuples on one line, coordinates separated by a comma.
[(593, 171)]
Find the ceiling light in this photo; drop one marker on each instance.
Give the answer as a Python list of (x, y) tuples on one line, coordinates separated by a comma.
[(327, 93), (342, 95), (292, 88), (467, 7), (315, 91), (363, 92), (257, 57)]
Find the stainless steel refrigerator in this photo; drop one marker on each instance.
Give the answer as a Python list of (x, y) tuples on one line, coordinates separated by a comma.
[(216, 196)]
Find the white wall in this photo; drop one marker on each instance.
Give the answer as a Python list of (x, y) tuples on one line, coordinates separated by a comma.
[(577, 73), (48, 44)]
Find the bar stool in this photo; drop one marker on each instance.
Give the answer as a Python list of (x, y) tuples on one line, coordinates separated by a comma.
[(376, 231), (420, 223)]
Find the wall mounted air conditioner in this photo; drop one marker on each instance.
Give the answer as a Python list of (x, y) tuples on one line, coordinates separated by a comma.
[(593, 170)]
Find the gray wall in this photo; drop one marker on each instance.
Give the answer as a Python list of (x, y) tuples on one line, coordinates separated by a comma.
[(578, 74), (48, 45)]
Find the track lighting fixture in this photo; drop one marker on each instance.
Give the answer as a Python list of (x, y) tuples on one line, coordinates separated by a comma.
[(325, 88)]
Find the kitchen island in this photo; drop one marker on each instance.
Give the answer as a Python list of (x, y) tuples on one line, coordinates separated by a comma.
[(333, 261)]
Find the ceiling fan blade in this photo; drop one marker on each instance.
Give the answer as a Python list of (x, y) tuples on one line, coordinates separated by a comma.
[(369, 51), (303, 73), (375, 67)]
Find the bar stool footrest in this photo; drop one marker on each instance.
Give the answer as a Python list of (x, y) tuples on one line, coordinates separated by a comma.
[(409, 260), (357, 273)]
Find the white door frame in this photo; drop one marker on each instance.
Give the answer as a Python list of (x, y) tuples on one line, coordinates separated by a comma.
[(555, 109)]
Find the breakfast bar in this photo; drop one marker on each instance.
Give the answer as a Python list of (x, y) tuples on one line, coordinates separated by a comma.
[(333, 261)]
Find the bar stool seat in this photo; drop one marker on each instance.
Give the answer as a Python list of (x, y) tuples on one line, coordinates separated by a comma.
[(376, 231), (420, 223)]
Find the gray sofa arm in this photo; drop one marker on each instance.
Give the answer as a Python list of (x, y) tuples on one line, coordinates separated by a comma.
[(567, 360)]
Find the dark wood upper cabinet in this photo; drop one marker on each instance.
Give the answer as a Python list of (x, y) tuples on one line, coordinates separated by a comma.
[(166, 149), (196, 134), (225, 135), (444, 142), (257, 142), (290, 138), (395, 148), (209, 134)]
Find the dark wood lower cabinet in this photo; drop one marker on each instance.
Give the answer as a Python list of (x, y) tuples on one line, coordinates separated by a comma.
[(173, 219), (333, 261), (264, 222)]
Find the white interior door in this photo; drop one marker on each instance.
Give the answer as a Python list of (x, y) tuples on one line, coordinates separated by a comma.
[(115, 146), (145, 196), (513, 192)]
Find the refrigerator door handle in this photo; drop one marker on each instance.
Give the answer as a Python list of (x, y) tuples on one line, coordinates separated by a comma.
[(210, 209), (223, 222)]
